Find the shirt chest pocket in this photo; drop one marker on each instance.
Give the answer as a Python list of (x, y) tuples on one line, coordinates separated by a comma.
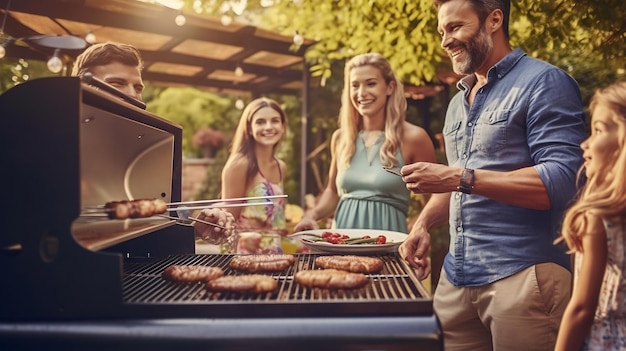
[(453, 141), (490, 131)]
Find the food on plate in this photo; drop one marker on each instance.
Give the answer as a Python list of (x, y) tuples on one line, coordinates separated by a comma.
[(261, 263), (338, 238), (191, 273), (141, 208), (351, 263), (252, 283), (219, 234), (331, 279)]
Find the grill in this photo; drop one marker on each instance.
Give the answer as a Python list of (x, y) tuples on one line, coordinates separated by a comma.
[(80, 283), (392, 291)]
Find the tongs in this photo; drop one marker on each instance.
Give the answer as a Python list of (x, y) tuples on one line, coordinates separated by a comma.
[(197, 205), (193, 219)]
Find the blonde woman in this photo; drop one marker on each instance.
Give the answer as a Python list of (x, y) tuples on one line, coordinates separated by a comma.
[(372, 134), (595, 230)]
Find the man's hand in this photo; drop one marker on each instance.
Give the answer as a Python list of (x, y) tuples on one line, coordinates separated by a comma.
[(414, 250), (430, 178)]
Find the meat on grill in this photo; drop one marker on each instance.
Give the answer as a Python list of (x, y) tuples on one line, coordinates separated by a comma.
[(351, 263), (262, 263), (141, 208), (331, 279), (252, 283), (191, 273)]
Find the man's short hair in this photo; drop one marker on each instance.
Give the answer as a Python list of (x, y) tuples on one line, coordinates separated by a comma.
[(104, 54)]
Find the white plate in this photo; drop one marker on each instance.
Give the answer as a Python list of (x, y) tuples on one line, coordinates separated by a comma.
[(394, 239)]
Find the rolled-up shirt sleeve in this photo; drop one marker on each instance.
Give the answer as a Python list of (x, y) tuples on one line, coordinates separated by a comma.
[(556, 128)]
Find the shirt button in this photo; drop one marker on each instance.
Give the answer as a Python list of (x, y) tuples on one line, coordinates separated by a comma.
[(457, 195), (464, 155), (469, 124), (459, 229)]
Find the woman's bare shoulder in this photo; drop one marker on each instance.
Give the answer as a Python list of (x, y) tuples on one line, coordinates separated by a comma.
[(237, 163), (420, 145)]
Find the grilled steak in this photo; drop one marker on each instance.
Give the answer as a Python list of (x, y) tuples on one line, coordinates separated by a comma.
[(331, 279), (351, 263), (262, 263), (253, 283), (191, 273)]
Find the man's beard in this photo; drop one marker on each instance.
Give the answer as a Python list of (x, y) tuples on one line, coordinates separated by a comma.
[(476, 51)]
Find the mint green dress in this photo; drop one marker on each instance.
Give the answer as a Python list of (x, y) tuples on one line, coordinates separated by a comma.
[(369, 196)]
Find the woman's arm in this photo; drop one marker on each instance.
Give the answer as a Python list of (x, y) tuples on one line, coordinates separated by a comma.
[(417, 145), (329, 199), (580, 311), (235, 182)]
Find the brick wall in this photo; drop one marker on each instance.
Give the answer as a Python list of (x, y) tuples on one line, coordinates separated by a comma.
[(193, 173)]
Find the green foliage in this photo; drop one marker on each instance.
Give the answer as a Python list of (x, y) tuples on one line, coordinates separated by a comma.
[(16, 71), (194, 109)]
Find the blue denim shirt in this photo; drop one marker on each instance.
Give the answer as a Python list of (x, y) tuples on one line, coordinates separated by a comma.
[(529, 114)]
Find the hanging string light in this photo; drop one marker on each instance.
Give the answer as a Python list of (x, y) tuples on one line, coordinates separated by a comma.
[(239, 104), (298, 39), (180, 19), (55, 64), (90, 37), (3, 41), (239, 71)]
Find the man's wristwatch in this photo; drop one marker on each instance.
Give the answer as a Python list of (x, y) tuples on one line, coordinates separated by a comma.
[(466, 183)]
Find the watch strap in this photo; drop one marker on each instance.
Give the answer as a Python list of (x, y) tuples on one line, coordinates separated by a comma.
[(466, 183)]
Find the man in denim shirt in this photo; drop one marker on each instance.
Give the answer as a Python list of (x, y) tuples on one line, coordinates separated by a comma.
[(511, 139)]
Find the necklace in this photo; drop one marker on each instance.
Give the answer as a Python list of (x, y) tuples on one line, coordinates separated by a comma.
[(370, 138)]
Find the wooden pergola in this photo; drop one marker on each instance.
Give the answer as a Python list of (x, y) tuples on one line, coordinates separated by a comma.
[(236, 59)]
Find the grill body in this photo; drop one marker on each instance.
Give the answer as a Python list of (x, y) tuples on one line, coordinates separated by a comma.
[(81, 283)]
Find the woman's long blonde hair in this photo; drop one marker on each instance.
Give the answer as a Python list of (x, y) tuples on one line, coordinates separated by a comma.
[(603, 197), (350, 122)]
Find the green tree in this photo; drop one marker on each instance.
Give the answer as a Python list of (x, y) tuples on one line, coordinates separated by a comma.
[(194, 109)]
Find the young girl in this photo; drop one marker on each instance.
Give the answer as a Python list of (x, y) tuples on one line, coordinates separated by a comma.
[(372, 134), (595, 230), (253, 170)]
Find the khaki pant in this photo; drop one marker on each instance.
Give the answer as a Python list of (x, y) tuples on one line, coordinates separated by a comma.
[(521, 312)]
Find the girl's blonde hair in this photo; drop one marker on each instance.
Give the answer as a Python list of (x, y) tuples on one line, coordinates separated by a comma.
[(350, 122), (243, 140), (603, 197)]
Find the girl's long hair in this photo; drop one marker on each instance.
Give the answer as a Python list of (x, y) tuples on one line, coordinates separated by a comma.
[(601, 196), (243, 141), (350, 122)]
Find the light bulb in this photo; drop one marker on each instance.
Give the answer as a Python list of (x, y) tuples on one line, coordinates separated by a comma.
[(90, 38), (55, 65), (226, 20), (3, 51), (180, 20), (239, 71), (239, 104), (297, 38)]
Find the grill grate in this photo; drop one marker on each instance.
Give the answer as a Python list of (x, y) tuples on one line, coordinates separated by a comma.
[(142, 283)]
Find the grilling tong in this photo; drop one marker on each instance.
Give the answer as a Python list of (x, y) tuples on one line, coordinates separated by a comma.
[(183, 209)]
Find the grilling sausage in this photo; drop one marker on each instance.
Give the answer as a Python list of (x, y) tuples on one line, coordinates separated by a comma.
[(262, 263), (141, 208), (191, 273), (351, 263), (331, 279), (251, 283)]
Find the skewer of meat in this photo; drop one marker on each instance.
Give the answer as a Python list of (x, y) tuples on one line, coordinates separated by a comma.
[(141, 208)]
